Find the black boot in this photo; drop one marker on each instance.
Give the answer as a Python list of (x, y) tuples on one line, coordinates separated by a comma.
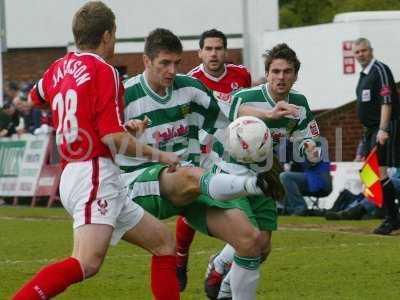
[(354, 213)]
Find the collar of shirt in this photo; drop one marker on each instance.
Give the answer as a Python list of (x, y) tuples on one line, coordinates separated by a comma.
[(368, 68), (209, 76)]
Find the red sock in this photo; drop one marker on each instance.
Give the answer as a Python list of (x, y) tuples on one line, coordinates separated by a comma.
[(51, 280), (184, 238), (164, 283)]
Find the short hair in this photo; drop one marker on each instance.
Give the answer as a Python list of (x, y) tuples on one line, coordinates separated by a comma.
[(363, 40), (161, 39), (12, 85), (90, 22), (213, 33), (282, 51)]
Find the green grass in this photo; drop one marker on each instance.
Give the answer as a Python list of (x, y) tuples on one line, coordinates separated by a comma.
[(311, 259)]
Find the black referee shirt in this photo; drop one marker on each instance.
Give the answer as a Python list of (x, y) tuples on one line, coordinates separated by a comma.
[(375, 88)]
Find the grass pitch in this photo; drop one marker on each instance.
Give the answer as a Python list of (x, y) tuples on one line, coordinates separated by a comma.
[(311, 259)]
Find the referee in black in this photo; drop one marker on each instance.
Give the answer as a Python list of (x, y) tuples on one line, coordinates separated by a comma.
[(378, 110)]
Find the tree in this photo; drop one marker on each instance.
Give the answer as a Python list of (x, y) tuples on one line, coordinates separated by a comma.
[(294, 13)]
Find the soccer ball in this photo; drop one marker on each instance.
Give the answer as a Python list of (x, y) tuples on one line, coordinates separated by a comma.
[(249, 140)]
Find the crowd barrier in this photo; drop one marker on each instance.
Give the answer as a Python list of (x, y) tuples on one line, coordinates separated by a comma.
[(26, 169)]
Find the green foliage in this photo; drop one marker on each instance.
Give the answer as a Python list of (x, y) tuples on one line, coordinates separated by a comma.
[(311, 259), (294, 13)]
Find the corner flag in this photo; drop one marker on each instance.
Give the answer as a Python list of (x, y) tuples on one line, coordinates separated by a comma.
[(370, 177)]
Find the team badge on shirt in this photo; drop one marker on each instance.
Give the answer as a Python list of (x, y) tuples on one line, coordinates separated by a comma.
[(185, 109), (102, 206)]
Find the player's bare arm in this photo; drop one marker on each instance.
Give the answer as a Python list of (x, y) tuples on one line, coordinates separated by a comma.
[(125, 143), (281, 109)]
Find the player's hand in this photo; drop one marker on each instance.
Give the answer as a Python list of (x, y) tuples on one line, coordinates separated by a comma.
[(274, 187), (282, 109), (381, 137), (170, 159), (137, 127)]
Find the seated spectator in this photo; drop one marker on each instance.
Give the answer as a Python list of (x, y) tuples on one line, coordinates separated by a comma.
[(11, 90), (31, 116), (5, 122), (311, 179), (361, 207), (360, 152), (14, 119)]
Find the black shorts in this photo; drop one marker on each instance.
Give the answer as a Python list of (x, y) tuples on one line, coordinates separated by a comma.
[(389, 153)]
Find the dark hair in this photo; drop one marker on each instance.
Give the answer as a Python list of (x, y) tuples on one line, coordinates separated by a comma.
[(161, 39), (212, 33), (12, 85), (282, 51), (90, 22)]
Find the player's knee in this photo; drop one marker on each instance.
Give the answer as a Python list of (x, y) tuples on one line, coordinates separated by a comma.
[(189, 187), (191, 179), (91, 266), (165, 243), (250, 244)]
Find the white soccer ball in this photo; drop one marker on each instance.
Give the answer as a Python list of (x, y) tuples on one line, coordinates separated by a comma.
[(249, 140)]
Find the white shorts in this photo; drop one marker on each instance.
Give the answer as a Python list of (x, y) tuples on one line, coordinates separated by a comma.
[(93, 193)]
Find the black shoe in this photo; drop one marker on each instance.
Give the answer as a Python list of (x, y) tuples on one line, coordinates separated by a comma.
[(355, 213), (181, 273), (387, 227), (333, 215)]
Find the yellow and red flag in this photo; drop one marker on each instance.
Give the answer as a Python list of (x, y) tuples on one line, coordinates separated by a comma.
[(370, 177)]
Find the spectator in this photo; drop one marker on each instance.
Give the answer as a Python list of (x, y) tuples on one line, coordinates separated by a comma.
[(15, 124), (11, 90), (30, 115), (312, 179), (5, 121), (363, 208), (360, 152), (378, 111)]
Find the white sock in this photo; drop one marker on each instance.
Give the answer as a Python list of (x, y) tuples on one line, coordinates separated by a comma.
[(227, 186), (243, 282), (225, 291), (224, 259)]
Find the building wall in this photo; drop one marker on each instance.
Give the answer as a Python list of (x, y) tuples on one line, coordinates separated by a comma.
[(28, 64), (47, 23), (342, 119), (320, 49)]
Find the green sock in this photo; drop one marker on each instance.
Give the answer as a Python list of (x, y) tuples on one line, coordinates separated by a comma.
[(247, 262)]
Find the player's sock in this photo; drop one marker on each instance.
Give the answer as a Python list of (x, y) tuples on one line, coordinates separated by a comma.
[(184, 237), (244, 277), (51, 280), (224, 259), (225, 291), (227, 186), (164, 283)]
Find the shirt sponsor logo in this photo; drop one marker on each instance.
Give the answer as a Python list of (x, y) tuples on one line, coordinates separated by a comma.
[(170, 133), (385, 91), (314, 128)]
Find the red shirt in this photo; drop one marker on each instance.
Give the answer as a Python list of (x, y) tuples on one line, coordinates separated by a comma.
[(86, 100), (234, 78)]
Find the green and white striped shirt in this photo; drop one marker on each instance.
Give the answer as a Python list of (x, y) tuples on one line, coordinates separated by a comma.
[(300, 128), (175, 118)]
